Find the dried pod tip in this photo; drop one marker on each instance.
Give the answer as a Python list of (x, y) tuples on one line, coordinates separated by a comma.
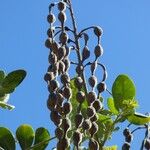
[(98, 31), (85, 53), (92, 81), (63, 38), (62, 17), (98, 51), (62, 6), (101, 87), (80, 96), (77, 138), (51, 18)]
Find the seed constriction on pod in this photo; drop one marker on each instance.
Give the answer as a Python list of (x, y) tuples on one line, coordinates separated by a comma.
[(94, 128), (126, 132), (52, 58), (92, 81), (61, 52), (86, 125), (98, 51), (59, 133), (94, 118), (63, 38), (61, 6), (67, 63), (129, 138), (90, 111), (53, 85), (66, 124), (61, 67), (93, 67), (98, 31), (78, 120), (85, 53), (86, 38), (97, 104), (77, 138), (51, 18), (101, 87), (51, 102), (80, 96)]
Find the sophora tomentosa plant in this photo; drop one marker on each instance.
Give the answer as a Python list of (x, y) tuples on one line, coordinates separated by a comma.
[(76, 104)]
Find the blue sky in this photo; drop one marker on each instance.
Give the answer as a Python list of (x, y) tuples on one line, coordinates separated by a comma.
[(125, 41)]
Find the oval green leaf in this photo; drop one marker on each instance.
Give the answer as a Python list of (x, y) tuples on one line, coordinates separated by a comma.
[(41, 136), (2, 76), (111, 106), (25, 136), (138, 119), (12, 80), (7, 141), (123, 88)]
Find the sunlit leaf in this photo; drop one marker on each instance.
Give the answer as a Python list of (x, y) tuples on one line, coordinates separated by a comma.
[(123, 89), (12, 80), (6, 106), (4, 98), (111, 106), (7, 141), (25, 136), (139, 119), (110, 147), (41, 135), (2, 76)]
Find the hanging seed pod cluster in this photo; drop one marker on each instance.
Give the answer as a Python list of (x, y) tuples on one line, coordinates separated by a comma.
[(60, 44)]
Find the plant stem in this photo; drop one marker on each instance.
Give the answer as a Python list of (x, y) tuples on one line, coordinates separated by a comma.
[(40, 144), (77, 41)]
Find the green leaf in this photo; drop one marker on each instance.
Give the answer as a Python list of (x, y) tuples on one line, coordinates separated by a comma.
[(110, 147), (4, 98), (2, 76), (25, 135), (138, 119), (7, 141), (123, 89), (12, 80), (41, 135), (111, 106), (6, 106)]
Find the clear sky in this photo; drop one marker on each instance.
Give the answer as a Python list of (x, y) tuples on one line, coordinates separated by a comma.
[(126, 41)]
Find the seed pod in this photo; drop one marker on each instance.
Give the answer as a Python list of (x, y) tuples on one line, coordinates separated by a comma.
[(53, 85), (147, 144), (92, 81), (52, 58), (85, 53), (59, 133), (91, 97), (63, 38), (67, 63), (98, 31), (61, 52), (54, 47), (94, 118), (78, 120), (48, 76), (80, 96), (78, 82), (79, 69), (67, 92), (129, 138), (62, 17), (93, 129), (50, 32), (67, 50), (86, 125), (93, 67), (98, 51), (56, 118), (93, 144), (126, 146), (59, 109), (51, 102), (59, 98), (97, 105), (48, 43), (61, 6), (77, 138), (61, 68), (90, 111), (66, 124), (63, 144), (65, 79), (101, 87), (51, 18), (67, 108), (126, 132)]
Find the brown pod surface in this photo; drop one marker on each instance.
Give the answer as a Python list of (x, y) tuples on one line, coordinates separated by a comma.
[(63, 144), (53, 85), (91, 97), (93, 67), (67, 92), (86, 125), (98, 51), (61, 67), (101, 87), (65, 78), (78, 120), (93, 129), (78, 82), (52, 58), (90, 111), (92, 81), (85, 53), (51, 18), (67, 108), (97, 105), (50, 32), (67, 63), (61, 52), (93, 144), (80, 96), (63, 38), (48, 76), (48, 43), (61, 6), (79, 69), (62, 17), (94, 118), (98, 31), (66, 124), (77, 138), (59, 133)]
